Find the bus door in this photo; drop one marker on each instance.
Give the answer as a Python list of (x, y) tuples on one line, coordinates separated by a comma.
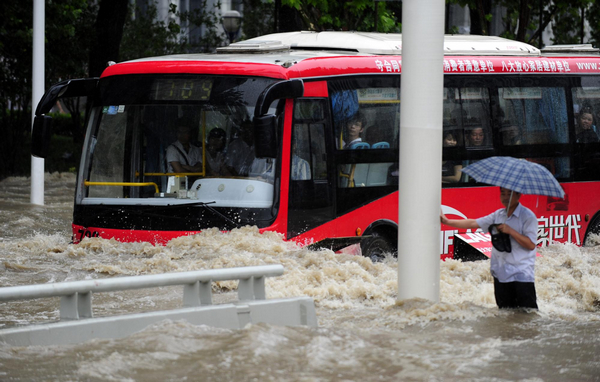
[(311, 193)]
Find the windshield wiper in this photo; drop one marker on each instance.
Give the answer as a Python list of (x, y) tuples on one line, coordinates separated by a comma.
[(206, 205), (145, 211)]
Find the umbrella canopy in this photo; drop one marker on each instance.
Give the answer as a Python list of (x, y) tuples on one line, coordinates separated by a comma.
[(515, 174)]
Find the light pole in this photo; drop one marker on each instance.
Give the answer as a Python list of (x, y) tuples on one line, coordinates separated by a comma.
[(232, 21)]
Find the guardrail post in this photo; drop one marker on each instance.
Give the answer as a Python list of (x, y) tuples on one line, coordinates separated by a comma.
[(259, 288), (68, 307), (84, 305), (252, 288), (205, 292), (197, 294), (246, 289)]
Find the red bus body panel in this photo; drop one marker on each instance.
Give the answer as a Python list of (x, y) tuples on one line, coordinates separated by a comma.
[(559, 220)]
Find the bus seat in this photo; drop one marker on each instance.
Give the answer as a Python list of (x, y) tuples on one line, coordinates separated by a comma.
[(378, 174), (359, 146), (380, 145)]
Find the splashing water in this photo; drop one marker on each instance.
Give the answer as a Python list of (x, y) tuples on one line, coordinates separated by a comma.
[(363, 334)]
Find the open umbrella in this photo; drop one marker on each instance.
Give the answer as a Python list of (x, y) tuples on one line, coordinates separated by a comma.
[(515, 174)]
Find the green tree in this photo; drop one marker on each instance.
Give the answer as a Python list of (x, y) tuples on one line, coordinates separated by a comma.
[(108, 31), (358, 15), (258, 18), (479, 12), (144, 35), (15, 88), (525, 20), (593, 17), (69, 27), (204, 18), (81, 36), (67, 24)]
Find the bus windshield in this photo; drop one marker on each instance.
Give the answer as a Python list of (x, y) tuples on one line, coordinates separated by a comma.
[(176, 139)]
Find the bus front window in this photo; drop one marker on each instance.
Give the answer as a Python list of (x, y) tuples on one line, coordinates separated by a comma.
[(175, 140)]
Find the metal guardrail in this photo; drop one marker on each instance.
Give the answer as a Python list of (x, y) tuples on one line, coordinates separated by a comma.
[(76, 296), (77, 323)]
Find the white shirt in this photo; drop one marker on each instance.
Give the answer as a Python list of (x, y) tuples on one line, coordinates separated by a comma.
[(352, 143), (190, 158), (300, 168), (517, 265), (215, 163)]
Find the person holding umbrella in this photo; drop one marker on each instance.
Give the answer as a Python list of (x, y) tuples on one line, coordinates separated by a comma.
[(513, 271), (513, 228)]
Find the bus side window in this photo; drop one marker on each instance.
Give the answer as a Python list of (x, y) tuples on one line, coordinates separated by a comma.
[(308, 158), (586, 104), (301, 169), (467, 134), (365, 117), (318, 151), (533, 115)]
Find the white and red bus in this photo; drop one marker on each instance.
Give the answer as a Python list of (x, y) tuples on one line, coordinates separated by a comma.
[(282, 108)]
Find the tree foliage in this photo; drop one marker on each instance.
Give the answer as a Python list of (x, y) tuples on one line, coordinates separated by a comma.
[(74, 28), (525, 20), (357, 15), (258, 18), (67, 25), (15, 75), (145, 35), (81, 36)]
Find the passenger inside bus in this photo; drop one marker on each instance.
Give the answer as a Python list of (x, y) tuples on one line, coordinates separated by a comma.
[(587, 130), (354, 130), (511, 134), (182, 155), (215, 153), (300, 167), (241, 159), (240, 152), (476, 138), (451, 170)]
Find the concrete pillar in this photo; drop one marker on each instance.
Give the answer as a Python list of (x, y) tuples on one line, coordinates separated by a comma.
[(420, 149), (37, 87)]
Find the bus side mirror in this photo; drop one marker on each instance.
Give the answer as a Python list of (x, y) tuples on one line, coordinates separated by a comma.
[(265, 136), (40, 136), (265, 125)]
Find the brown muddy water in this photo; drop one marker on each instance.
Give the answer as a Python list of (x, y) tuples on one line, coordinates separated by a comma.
[(363, 334)]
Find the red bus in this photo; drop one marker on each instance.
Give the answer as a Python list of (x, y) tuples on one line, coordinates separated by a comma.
[(298, 133)]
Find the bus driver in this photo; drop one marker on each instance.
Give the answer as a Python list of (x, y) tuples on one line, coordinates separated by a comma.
[(182, 156)]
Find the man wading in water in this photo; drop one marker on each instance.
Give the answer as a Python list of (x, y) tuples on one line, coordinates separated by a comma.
[(513, 266)]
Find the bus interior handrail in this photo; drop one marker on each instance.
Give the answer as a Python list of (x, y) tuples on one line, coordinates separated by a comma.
[(176, 174)]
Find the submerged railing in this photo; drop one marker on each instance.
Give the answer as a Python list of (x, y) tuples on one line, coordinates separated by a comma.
[(76, 309), (76, 296)]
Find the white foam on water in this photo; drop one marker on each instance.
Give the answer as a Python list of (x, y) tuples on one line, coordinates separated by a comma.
[(567, 276), (363, 334)]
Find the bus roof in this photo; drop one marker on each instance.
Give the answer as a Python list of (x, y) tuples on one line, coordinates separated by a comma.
[(378, 44), (322, 54)]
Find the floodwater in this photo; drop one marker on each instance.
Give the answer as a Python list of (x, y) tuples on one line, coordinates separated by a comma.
[(363, 334)]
